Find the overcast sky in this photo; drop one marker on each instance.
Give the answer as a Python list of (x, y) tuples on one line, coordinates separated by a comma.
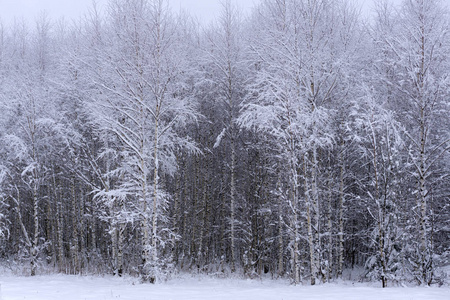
[(205, 10)]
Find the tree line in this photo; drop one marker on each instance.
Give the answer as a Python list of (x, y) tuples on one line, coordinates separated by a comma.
[(299, 141)]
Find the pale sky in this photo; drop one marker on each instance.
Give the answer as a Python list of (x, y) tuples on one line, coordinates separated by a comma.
[(205, 10)]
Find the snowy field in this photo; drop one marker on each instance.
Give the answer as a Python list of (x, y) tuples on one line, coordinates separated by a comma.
[(187, 288)]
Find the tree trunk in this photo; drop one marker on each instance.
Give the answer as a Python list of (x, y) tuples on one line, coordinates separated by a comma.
[(295, 225), (330, 225), (120, 237), (155, 204), (232, 203), (35, 240), (74, 249), (59, 230), (145, 241), (280, 239), (341, 214)]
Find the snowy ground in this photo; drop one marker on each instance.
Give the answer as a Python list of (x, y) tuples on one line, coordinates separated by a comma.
[(186, 288)]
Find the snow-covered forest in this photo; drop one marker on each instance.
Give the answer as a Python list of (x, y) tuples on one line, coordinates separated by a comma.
[(299, 141)]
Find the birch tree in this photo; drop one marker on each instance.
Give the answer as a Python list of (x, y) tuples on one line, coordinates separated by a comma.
[(28, 94), (419, 47), (144, 100), (225, 51), (301, 59), (382, 145)]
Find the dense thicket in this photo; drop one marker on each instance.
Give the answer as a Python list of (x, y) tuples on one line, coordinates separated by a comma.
[(299, 142)]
